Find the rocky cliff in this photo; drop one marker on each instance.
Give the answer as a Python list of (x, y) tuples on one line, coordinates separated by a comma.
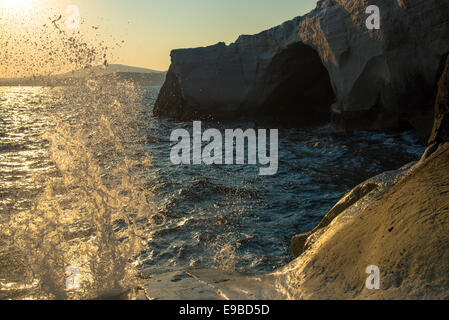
[(440, 132), (397, 221), (323, 66)]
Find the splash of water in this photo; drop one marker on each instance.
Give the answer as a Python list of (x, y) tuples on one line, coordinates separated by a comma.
[(95, 212), (36, 43)]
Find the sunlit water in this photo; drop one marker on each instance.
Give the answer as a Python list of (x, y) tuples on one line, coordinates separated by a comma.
[(86, 180)]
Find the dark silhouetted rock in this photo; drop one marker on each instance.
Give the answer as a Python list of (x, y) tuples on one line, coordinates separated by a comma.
[(326, 60), (440, 131)]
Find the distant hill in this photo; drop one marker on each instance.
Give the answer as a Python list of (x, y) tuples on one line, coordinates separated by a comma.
[(113, 72), (110, 69), (143, 79)]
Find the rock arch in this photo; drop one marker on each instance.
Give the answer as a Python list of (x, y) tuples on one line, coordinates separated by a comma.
[(299, 87)]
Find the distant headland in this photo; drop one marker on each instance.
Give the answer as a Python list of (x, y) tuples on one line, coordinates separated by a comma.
[(110, 73)]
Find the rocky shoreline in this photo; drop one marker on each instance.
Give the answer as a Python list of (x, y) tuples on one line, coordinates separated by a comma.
[(398, 221), (324, 66)]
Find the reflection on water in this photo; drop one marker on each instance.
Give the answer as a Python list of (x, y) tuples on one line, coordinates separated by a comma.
[(86, 180), (92, 208)]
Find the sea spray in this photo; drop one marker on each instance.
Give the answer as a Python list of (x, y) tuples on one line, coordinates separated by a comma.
[(92, 213)]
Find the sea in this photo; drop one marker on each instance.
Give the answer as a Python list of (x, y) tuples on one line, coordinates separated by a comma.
[(86, 184)]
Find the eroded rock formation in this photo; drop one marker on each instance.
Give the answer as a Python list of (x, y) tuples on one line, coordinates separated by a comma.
[(380, 79), (440, 131), (397, 221), (256, 75), (403, 231), (398, 224)]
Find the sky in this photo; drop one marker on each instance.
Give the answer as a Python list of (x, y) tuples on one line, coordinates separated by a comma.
[(150, 29)]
